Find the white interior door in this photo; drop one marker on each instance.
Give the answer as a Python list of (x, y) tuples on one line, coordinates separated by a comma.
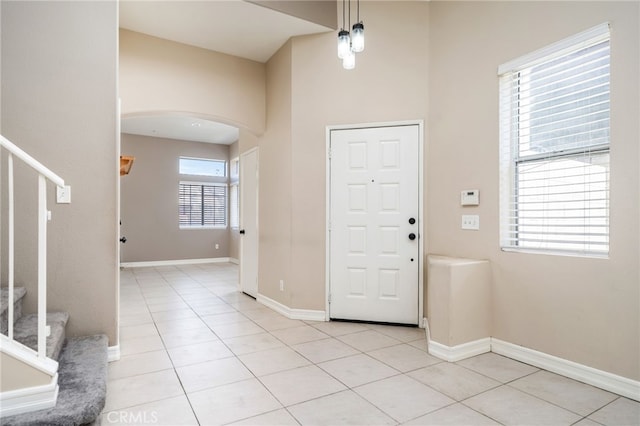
[(249, 222), (374, 212)]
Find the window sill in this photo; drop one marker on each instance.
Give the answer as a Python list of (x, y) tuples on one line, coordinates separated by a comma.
[(604, 256)]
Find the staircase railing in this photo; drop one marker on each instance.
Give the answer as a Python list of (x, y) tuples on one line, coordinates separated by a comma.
[(44, 174)]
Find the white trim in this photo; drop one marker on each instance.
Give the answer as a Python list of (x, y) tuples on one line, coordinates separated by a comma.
[(241, 194), (620, 385), (29, 399), (327, 226), (174, 262), (28, 356), (234, 261), (421, 211), (595, 34), (459, 352), (113, 353), (291, 313)]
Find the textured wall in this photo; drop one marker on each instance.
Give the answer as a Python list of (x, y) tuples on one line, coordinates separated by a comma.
[(59, 100)]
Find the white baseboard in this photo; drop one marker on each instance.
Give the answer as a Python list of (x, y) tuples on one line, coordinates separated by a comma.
[(602, 379), (234, 260), (175, 262), (29, 399), (292, 313), (459, 352), (113, 353)]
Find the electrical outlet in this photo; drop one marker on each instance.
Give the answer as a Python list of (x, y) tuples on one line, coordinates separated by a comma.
[(217, 246), (281, 285), (63, 194), (471, 221)]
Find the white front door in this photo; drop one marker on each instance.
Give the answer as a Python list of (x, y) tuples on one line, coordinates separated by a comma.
[(374, 212), (249, 222)]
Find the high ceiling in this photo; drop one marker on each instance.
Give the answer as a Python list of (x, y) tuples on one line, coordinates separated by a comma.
[(234, 27)]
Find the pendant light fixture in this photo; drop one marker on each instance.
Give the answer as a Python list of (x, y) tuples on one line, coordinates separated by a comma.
[(357, 32), (350, 43)]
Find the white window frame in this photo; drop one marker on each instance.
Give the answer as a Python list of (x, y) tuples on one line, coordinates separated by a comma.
[(211, 160), (226, 204), (511, 159), (234, 206)]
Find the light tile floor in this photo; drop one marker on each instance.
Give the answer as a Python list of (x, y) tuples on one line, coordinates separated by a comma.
[(196, 351)]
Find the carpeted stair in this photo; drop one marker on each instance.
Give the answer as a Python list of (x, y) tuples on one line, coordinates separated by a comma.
[(18, 294), (82, 371)]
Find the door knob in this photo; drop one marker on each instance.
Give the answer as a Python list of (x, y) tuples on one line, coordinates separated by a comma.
[(412, 236), (242, 231), (412, 221), (123, 240)]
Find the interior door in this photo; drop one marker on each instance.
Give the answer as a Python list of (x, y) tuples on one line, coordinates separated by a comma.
[(374, 212), (249, 222)]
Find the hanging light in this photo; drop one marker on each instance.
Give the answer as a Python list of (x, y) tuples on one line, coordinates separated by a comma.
[(349, 61), (344, 43), (350, 43), (357, 37), (357, 33)]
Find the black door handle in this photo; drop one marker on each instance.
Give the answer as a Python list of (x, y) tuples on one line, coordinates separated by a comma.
[(412, 236), (242, 231), (123, 240)]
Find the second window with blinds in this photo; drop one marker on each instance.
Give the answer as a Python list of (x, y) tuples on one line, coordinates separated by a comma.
[(202, 205), (554, 146)]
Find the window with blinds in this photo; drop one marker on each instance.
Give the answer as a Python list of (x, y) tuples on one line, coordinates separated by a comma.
[(202, 205), (554, 146)]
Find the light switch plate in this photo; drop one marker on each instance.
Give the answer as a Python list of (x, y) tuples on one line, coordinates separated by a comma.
[(63, 195), (471, 221)]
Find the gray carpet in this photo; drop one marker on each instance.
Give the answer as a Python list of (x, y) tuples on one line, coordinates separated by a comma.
[(18, 294), (26, 332), (82, 378)]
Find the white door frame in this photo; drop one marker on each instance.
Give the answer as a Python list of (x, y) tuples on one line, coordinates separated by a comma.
[(242, 218), (421, 213)]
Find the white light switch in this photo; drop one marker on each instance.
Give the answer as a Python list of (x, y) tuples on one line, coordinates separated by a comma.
[(63, 195), (471, 221)]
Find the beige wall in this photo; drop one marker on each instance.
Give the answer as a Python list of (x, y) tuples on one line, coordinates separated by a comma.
[(59, 92), (160, 76), (389, 83), (15, 374), (582, 309), (149, 202), (275, 182)]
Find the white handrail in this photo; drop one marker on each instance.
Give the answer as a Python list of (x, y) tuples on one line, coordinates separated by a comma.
[(10, 235), (30, 161), (42, 266), (44, 174)]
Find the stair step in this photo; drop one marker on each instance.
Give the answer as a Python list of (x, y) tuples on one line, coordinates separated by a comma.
[(18, 294), (26, 332), (82, 378)]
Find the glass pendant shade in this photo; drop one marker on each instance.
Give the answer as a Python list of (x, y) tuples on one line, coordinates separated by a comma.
[(357, 37), (349, 61), (344, 44)]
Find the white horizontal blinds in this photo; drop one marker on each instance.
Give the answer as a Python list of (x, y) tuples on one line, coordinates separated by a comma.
[(555, 124), (202, 205)]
